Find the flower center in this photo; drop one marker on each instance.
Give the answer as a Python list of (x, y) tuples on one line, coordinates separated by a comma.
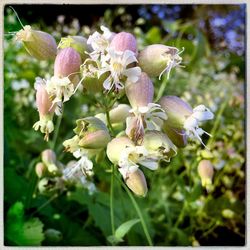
[(117, 67)]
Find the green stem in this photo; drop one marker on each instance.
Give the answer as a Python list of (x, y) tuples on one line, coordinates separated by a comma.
[(109, 122), (112, 201), (137, 208), (162, 89), (58, 123)]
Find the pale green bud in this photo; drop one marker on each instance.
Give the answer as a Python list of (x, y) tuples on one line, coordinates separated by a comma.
[(116, 146), (158, 143), (157, 58), (177, 111), (47, 186), (206, 172), (119, 113), (39, 44), (79, 43), (136, 182), (140, 93), (227, 213)]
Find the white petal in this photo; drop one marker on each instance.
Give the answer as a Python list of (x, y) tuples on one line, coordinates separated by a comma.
[(133, 74), (152, 165)]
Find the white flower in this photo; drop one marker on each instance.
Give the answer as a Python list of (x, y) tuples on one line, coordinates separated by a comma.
[(99, 42), (83, 167), (191, 124), (88, 185), (149, 117), (172, 59), (60, 89), (46, 126), (117, 66), (132, 156)]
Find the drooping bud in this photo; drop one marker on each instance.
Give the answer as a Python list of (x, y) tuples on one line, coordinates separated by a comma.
[(49, 159), (40, 169), (177, 111), (94, 140), (157, 58), (159, 145), (140, 93), (116, 146), (206, 172), (136, 182), (92, 132), (39, 44), (68, 61), (43, 102), (119, 113), (177, 136), (79, 43), (124, 41)]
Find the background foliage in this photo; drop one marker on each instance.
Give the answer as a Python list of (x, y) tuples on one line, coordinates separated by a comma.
[(177, 210)]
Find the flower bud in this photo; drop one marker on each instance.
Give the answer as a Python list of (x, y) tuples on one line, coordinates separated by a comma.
[(177, 111), (40, 169), (49, 159), (53, 235), (177, 136), (47, 186), (119, 113), (140, 93), (95, 140), (39, 44), (124, 41), (228, 213), (78, 43), (116, 146), (136, 182), (43, 101), (158, 144), (68, 61), (157, 58), (206, 172)]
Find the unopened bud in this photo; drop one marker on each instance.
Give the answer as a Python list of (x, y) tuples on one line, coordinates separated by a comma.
[(136, 182), (43, 102), (157, 58), (177, 111), (116, 146), (68, 61), (79, 43), (124, 41), (119, 113), (40, 169), (39, 44), (140, 93), (47, 186), (177, 136), (95, 140), (49, 159), (206, 172), (53, 235), (228, 213)]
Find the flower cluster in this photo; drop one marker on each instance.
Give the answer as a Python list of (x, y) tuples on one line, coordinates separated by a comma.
[(137, 135)]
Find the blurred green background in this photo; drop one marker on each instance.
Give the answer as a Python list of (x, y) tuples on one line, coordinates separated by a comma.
[(177, 210)]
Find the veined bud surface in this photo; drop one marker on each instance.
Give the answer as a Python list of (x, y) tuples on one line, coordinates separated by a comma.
[(158, 58), (124, 41), (136, 182), (140, 93), (177, 111), (68, 61), (116, 147), (39, 44), (53, 235), (206, 172)]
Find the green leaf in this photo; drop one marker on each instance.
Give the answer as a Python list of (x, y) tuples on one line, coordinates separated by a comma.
[(123, 229), (21, 232)]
